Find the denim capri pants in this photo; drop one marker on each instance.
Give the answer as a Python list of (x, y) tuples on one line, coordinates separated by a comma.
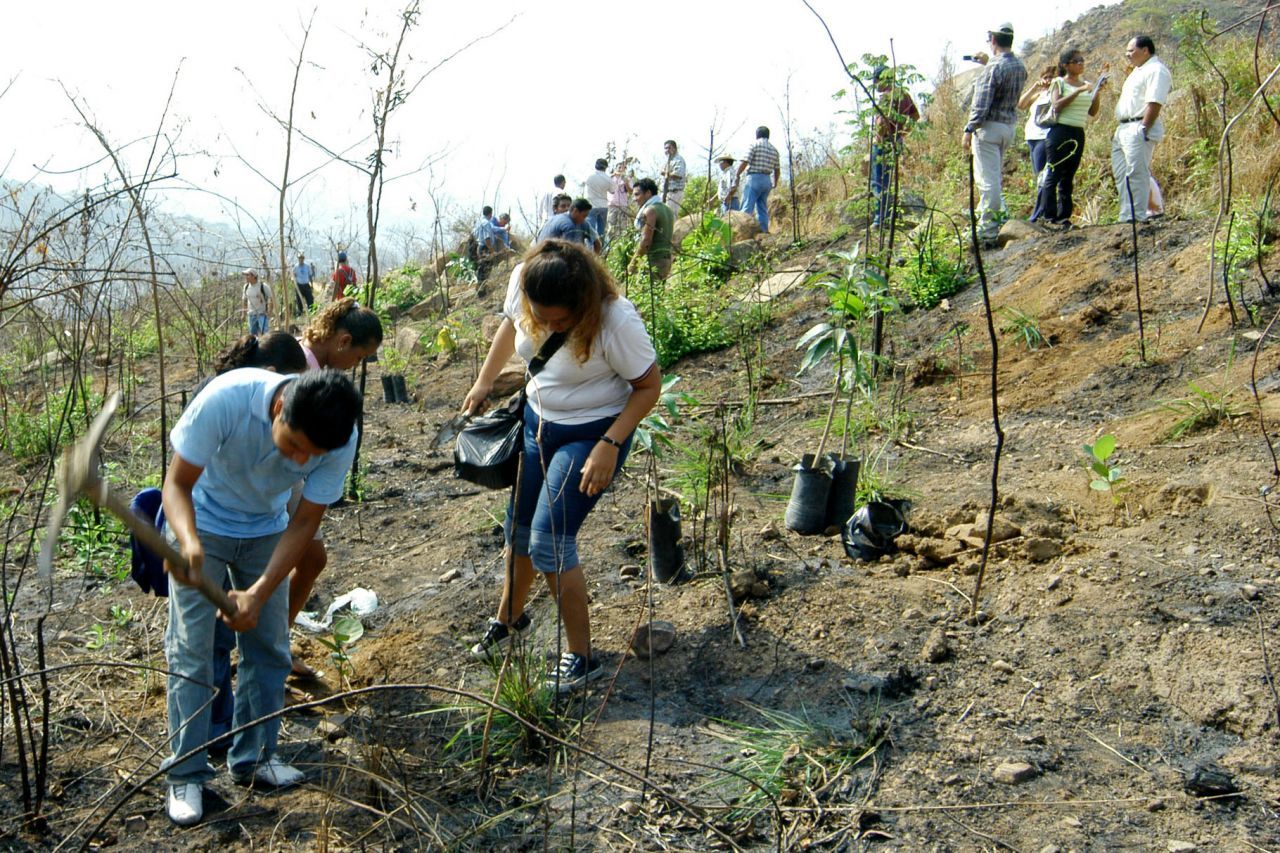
[(552, 508)]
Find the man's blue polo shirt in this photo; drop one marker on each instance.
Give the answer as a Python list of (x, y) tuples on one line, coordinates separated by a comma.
[(244, 488), (562, 227)]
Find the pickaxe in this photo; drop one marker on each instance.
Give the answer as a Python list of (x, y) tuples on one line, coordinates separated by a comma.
[(78, 474)]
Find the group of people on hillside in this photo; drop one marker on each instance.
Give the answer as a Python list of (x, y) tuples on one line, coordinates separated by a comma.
[(1061, 102), (259, 302)]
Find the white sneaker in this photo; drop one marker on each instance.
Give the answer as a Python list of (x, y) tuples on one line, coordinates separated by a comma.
[(273, 773), (185, 803)]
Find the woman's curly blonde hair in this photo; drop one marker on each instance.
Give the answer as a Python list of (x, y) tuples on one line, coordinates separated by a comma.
[(345, 315)]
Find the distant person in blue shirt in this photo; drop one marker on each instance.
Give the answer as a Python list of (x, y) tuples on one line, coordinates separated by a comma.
[(502, 229), (238, 449), (303, 274), (486, 240), (572, 226)]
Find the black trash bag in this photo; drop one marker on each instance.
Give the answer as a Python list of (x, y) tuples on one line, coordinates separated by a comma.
[(488, 448), (869, 533), (666, 553)]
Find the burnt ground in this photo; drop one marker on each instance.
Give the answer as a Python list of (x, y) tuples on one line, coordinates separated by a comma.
[(1118, 654)]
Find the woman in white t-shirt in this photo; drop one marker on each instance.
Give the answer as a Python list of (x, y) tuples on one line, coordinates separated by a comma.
[(1037, 93), (581, 412)]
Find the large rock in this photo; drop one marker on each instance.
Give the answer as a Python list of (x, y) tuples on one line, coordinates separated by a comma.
[(408, 341), (682, 227), (511, 378), (432, 306), (744, 225), (1017, 229), (741, 253), (489, 325)]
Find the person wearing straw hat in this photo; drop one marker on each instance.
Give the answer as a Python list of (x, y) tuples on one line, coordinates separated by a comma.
[(727, 185)]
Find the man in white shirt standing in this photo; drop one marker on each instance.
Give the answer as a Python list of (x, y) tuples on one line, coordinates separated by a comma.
[(1140, 127), (598, 186)]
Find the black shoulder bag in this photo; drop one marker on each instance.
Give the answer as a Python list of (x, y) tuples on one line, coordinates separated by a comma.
[(488, 448)]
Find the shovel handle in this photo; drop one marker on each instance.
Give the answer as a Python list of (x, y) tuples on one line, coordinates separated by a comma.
[(155, 542)]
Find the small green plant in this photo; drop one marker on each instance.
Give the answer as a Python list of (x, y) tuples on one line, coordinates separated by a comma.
[(345, 632), (400, 288), (1022, 327), (1103, 476), (461, 269), (521, 691), (99, 637), (1203, 408), (788, 755), (654, 432), (394, 362), (934, 275), (121, 616), (98, 545)]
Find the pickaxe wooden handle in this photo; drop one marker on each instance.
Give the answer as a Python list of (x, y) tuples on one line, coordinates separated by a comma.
[(155, 541), (78, 474)]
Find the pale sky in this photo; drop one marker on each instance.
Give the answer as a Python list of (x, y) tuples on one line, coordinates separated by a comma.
[(545, 95)]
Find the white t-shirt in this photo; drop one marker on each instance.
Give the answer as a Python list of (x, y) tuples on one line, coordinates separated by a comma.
[(1033, 131), (598, 186), (256, 297), (569, 392), (1147, 84)]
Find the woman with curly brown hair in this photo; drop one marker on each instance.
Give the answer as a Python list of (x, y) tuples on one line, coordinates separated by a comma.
[(341, 336), (582, 409)]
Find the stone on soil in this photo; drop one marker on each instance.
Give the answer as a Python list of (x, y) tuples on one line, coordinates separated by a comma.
[(654, 640), (1002, 529), (936, 648), (1013, 772)]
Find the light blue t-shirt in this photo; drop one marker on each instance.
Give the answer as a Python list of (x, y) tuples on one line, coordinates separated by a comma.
[(303, 273), (562, 227), (244, 489)]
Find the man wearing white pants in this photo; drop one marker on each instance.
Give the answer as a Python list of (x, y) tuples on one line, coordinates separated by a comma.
[(989, 131), (1139, 127)]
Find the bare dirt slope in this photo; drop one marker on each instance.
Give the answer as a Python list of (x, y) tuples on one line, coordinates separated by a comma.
[(1117, 663)]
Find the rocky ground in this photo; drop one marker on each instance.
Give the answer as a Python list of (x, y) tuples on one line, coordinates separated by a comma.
[(1114, 692)]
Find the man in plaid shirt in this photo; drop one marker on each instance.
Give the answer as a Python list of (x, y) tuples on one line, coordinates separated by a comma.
[(991, 124), (763, 169)]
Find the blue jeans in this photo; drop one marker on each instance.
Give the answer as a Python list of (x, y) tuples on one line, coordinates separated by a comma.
[(258, 324), (882, 157), (755, 198), (596, 219), (733, 204), (1039, 156), (189, 643), (551, 509)]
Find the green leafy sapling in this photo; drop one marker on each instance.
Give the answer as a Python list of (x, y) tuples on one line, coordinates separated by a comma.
[(1103, 476)]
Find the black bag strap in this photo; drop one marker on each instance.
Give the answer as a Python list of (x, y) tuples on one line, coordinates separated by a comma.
[(548, 349)]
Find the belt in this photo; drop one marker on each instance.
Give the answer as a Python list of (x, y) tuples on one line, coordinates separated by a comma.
[(1128, 120)]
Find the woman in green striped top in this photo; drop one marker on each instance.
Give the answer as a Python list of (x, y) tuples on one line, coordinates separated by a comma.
[(1074, 101)]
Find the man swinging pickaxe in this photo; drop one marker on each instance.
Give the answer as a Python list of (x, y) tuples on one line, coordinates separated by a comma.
[(78, 474)]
